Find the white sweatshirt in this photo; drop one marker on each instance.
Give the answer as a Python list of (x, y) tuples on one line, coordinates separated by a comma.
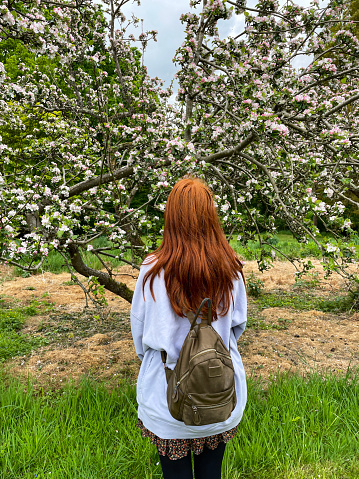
[(155, 327)]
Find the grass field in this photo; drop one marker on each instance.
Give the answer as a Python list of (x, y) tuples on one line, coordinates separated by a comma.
[(12, 319), (293, 427)]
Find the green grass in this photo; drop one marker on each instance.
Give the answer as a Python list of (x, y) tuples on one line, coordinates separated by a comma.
[(12, 341), (304, 301), (298, 425), (294, 427), (284, 242), (257, 322)]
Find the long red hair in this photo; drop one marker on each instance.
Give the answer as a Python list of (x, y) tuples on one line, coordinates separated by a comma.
[(197, 260)]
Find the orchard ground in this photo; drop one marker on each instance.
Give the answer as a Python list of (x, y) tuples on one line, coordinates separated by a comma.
[(288, 327)]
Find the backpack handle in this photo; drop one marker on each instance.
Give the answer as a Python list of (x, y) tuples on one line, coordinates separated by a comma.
[(199, 310)]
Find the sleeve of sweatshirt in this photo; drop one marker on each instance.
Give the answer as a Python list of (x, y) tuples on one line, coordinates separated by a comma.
[(138, 313), (239, 316)]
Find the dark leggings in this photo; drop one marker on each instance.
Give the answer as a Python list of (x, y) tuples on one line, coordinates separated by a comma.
[(207, 465)]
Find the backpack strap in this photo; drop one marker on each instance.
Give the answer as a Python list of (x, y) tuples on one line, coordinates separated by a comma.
[(209, 317), (168, 371)]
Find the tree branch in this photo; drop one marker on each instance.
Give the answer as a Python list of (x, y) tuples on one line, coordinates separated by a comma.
[(226, 153), (341, 105), (323, 80), (104, 279)]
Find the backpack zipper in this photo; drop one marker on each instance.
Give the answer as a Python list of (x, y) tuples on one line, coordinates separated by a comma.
[(181, 379), (175, 389), (202, 352), (217, 405), (178, 383), (228, 356), (208, 350)]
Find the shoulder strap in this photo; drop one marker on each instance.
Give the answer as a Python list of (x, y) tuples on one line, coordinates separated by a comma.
[(168, 371), (164, 356), (209, 317)]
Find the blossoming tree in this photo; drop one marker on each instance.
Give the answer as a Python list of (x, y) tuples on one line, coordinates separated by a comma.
[(85, 134), (285, 136)]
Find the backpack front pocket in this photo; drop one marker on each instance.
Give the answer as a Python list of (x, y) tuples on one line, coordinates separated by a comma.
[(201, 409)]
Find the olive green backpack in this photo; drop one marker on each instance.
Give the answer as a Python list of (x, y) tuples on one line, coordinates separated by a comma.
[(200, 389)]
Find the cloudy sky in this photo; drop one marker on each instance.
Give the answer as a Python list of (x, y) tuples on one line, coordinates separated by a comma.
[(163, 16)]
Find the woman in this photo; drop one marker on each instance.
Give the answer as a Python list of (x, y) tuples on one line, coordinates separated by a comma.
[(193, 262)]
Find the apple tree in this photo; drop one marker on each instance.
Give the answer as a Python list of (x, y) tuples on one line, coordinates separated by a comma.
[(91, 145)]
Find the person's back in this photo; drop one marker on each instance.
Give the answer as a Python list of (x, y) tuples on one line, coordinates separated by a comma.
[(194, 261)]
